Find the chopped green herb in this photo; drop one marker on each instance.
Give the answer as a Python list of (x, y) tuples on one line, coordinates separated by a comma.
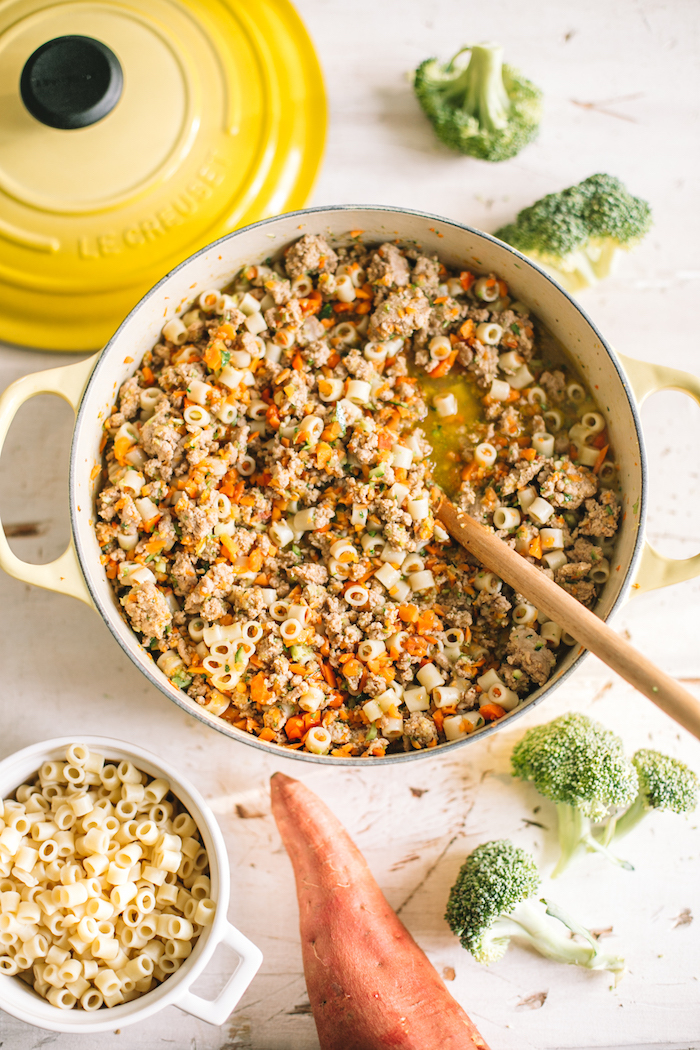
[(326, 311)]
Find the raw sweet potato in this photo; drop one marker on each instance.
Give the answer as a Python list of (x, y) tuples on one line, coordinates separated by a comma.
[(370, 985)]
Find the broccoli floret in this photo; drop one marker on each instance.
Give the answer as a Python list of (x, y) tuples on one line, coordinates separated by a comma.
[(577, 235), (664, 783), (484, 108), (580, 766), (492, 901)]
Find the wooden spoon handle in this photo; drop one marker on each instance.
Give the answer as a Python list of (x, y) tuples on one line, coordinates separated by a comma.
[(573, 617)]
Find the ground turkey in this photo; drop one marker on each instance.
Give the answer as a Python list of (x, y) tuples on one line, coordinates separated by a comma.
[(420, 729), (400, 314), (148, 610), (130, 398), (555, 385), (206, 596), (529, 652), (309, 572), (310, 254), (493, 609), (196, 519), (160, 437), (183, 574), (388, 267), (601, 516), (567, 486), (426, 275), (484, 366), (521, 475)]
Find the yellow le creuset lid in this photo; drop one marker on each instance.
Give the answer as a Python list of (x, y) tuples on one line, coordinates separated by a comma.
[(132, 134)]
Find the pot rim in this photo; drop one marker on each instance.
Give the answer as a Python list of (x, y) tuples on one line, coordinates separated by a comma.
[(165, 994), (249, 738)]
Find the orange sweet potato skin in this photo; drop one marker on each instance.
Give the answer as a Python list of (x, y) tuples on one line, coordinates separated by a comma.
[(370, 986)]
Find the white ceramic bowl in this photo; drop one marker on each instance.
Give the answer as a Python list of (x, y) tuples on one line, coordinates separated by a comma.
[(91, 387), (20, 1000)]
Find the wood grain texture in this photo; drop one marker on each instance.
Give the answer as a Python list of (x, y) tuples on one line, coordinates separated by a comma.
[(573, 617)]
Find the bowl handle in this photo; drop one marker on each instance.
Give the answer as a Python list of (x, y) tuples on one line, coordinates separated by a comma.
[(654, 569), (63, 574), (215, 1011)]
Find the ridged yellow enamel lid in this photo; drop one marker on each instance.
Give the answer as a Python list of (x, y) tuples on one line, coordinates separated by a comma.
[(208, 114)]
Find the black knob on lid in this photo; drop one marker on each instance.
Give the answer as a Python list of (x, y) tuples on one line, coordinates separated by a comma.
[(71, 82)]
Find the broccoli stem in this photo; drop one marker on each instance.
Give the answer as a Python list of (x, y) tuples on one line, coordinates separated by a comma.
[(575, 835), (479, 89), (573, 827), (622, 825), (545, 938)]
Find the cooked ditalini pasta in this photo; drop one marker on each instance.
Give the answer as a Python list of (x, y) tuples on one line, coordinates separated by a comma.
[(105, 909)]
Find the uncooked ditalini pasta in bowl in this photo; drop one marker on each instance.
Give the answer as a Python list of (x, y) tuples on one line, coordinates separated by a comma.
[(114, 886)]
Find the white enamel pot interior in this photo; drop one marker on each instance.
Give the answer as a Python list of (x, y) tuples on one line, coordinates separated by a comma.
[(458, 246), (20, 1000)]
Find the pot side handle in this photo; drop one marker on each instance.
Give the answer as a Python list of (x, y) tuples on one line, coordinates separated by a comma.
[(63, 574), (645, 378), (215, 1011)]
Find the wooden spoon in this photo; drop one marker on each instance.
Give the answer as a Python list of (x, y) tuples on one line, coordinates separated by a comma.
[(576, 619)]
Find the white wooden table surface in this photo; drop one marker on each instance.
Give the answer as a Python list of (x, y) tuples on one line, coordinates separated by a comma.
[(63, 673)]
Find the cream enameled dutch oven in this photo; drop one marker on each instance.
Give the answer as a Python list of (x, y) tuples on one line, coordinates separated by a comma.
[(20, 1000), (619, 385)]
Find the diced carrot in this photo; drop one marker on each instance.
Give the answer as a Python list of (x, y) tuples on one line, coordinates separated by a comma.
[(491, 711), (535, 548), (600, 439), (148, 376), (212, 356), (328, 674), (122, 445), (310, 306), (528, 454), (408, 613), (344, 657), (298, 363), (601, 459), (266, 734), (352, 668), (443, 367), (294, 727), (416, 645), (324, 454), (255, 560), (428, 623), (466, 330), (272, 417), (333, 360), (331, 432), (438, 719), (225, 331), (299, 669), (344, 308), (466, 279), (229, 547), (112, 570)]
